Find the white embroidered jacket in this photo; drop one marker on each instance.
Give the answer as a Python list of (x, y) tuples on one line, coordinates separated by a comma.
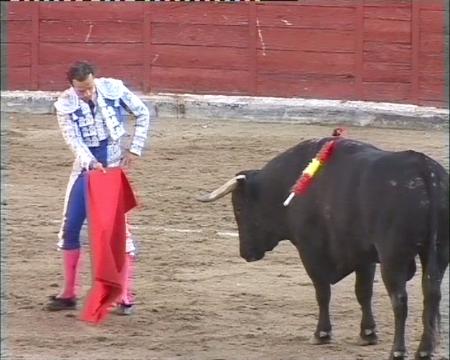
[(81, 130)]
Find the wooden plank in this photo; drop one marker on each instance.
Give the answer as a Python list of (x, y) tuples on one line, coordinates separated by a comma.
[(202, 35), (305, 3), (388, 3), (199, 13), (201, 82), (19, 55), (415, 45), (91, 32), (388, 13), (306, 62), (130, 75), (432, 21), (385, 52), (432, 91), (306, 40), (435, 103), (53, 78), (432, 4), (389, 92), (19, 78), (432, 77), (314, 17), (34, 8), (92, 11), (386, 72), (252, 47), (393, 31), (200, 57), (290, 85), (148, 51), (432, 64), (432, 43), (19, 31), (359, 50), (18, 10), (57, 53)]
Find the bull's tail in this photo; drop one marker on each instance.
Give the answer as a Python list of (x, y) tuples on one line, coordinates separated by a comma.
[(431, 182)]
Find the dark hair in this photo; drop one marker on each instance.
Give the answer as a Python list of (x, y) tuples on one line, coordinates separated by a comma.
[(79, 71)]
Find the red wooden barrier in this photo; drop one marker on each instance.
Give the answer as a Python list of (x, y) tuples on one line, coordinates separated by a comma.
[(373, 50)]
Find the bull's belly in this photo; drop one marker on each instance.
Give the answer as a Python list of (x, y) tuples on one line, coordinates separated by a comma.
[(345, 265)]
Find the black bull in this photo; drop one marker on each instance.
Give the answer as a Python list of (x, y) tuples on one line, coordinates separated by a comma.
[(365, 206)]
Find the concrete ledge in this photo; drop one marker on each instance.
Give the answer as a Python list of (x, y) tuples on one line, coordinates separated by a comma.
[(261, 109)]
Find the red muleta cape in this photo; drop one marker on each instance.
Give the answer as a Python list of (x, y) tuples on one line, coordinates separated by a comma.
[(109, 197)]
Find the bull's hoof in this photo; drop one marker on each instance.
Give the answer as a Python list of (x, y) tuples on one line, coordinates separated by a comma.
[(398, 355), (321, 338), (368, 337), (424, 355)]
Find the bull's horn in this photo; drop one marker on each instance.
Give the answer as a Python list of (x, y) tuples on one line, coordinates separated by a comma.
[(225, 189)]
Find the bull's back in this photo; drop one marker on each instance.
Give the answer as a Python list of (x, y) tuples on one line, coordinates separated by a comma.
[(360, 186), (384, 197)]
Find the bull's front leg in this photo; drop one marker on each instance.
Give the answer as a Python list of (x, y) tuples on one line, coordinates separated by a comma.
[(322, 335), (318, 273), (364, 290)]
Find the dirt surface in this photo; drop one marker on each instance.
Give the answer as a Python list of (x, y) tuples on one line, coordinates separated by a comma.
[(196, 298)]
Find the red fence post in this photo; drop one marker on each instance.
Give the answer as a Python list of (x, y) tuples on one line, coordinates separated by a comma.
[(147, 43), (359, 49), (415, 51), (35, 45), (252, 44)]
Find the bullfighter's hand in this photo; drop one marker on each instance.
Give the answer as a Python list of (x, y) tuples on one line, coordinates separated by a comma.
[(127, 159), (99, 166)]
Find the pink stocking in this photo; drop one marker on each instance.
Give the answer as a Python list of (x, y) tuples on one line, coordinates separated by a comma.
[(70, 259), (127, 294)]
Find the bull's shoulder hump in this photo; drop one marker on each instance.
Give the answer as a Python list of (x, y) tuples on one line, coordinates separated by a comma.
[(356, 144)]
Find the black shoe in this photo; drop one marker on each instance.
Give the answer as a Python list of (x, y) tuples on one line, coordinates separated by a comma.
[(57, 304), (125, 309)]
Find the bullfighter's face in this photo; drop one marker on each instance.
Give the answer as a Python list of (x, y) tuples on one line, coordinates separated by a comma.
[(85, 89)]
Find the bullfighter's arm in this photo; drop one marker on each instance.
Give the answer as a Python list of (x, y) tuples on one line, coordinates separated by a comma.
[(72, 137), (135, 105)]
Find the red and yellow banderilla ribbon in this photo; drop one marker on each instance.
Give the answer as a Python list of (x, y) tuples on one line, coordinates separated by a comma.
[(313, 167)]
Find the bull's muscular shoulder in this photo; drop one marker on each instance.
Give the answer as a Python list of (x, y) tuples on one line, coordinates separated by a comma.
[(110, 88), (67, 102)]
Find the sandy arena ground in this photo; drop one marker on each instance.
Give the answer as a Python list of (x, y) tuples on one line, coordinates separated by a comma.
[(196, 298)]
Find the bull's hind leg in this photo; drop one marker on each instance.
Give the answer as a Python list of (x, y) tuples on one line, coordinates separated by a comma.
[(363, 291), (431, 287), (395, 274)]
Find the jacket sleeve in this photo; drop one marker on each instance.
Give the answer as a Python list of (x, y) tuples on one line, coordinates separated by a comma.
[(135, 105), (73, 139)]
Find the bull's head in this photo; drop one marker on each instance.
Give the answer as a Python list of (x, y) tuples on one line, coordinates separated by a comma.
[(253, 212)]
